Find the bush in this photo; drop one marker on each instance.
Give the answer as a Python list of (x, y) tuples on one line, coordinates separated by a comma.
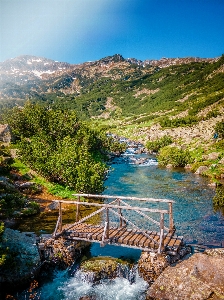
[(218, 200), (219, 128), (61, 148), (174, 156), (159, 143)]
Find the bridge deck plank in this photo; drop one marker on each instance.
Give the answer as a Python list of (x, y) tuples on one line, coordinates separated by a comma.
[(133, 238), (129, 237), (122, 236)]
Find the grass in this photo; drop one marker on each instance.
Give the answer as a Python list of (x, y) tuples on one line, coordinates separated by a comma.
[(52, 188), (21, 167)]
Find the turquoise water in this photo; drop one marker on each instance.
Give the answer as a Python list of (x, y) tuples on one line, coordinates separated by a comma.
[(194, 219), (194, 216)]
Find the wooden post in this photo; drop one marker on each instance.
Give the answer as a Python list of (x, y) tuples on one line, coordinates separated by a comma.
[(77, 210), (171, 225), (60, 217), (107, 220), (161, 240), (120, 213)]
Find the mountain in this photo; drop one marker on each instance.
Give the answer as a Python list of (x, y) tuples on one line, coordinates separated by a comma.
[(116, 87)]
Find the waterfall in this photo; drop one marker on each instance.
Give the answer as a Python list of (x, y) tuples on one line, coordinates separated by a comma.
[(127, 285)]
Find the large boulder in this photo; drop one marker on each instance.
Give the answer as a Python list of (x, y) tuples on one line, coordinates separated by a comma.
[(200, 277), (201, 170), (26, 259)]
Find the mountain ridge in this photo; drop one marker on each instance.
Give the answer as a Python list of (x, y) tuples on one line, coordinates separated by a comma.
[(29, 72), (115, 87)]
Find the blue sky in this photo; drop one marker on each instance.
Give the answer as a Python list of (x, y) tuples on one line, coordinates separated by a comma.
[(76, 31)]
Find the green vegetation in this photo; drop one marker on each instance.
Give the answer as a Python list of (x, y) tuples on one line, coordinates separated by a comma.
[(159, 143), (218, 200), (2, 251), (64, 150), (174, 156), (219, 128)]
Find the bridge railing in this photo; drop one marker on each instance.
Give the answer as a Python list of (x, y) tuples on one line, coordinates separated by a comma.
[(119, 204), (116, 206)]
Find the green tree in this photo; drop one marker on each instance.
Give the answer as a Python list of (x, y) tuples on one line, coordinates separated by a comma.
[(60, 147)]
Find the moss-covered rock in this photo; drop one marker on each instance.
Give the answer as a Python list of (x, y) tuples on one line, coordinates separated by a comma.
[(99, 268)]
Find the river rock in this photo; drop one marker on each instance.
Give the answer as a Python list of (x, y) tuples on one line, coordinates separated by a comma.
[(200, 277), (29, 187), (26, 259), (201, 170), (188, 166), (61, 252), (150, 266), (53, 205), (99, 268), (169, 166)]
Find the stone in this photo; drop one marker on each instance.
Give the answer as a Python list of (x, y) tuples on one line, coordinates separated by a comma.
[(199, 277), (26, 257), (29, 187), (213, 155), (53, 205), (99, 268), (188, 166), (221, 161), (169, 166), (150, 266), (212, 184), (5, 133), (201, 170)]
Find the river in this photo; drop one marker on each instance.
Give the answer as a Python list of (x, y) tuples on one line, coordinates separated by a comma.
[(139, 175)]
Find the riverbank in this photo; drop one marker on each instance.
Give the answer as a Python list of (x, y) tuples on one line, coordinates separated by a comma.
[(190, 192), (207, 152)]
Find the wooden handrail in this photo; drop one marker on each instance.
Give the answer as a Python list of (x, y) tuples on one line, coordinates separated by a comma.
[(147, 217), (116, 206), (164, 211), (124, 197), (161, 239)]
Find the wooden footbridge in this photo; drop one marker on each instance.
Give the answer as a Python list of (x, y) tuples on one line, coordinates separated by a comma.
[(125, 233)]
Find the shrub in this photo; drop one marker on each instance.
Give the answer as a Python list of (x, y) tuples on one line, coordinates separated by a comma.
[(2, 251), (159, 143), (61, 148), (219, 128), (218, 200), (174, 156)]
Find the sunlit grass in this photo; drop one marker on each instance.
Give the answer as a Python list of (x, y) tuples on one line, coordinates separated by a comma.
[(52, 188)]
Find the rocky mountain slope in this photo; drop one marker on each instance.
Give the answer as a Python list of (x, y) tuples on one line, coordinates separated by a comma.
[(35, 77), (174, 93)]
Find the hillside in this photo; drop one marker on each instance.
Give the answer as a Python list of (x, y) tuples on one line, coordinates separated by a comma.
[(138, 99), (114, 87)]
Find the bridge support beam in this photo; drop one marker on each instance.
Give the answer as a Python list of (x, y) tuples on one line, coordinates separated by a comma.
[(161, 240), (107, 220), (77, 210), (60, 218), (120, 213), (171, 224)]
